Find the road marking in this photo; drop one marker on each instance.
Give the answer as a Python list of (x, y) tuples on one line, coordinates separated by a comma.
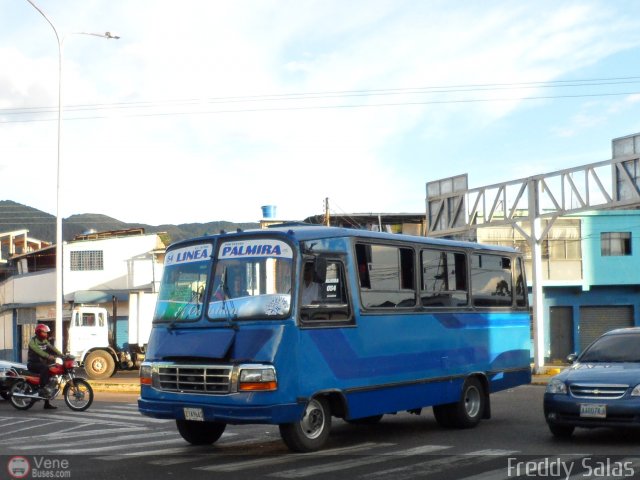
[(358, 462), (21, 420), (275, 460), (84, 420), (504, 473), (86, 433), (39, 425), (123, 416), (80, 451), (104, 439), (438, 465)]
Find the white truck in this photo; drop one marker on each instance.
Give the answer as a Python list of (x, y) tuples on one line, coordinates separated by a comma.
[(92, 336)]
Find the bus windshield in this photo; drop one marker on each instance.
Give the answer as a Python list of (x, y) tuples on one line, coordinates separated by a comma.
[(252, 280), (184, 283)]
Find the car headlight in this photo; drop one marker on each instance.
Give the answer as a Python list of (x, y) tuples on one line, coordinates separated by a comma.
[(257, 379), (636, 391), (557, 387)]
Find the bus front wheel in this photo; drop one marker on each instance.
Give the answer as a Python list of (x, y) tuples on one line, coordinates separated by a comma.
[(312, 431), (200, 433)]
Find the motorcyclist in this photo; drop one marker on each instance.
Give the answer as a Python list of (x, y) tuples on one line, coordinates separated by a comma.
[(42, 353)]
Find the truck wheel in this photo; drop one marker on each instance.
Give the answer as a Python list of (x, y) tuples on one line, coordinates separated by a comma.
[(99, 364), (310, 433), (200, 433)]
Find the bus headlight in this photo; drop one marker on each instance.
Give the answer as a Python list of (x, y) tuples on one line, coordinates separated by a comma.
[(257, 379), (146, 374)]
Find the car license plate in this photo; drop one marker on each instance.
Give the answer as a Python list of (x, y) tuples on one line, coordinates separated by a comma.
[(193, 414), (591, 410)]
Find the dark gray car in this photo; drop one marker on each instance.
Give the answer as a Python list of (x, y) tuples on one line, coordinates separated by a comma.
[(600, 389), (8, 372)]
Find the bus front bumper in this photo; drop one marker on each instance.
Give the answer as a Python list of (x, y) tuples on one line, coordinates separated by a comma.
[(231, 414)]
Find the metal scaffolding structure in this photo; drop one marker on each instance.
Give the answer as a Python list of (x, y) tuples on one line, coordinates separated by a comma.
[(454, 209)]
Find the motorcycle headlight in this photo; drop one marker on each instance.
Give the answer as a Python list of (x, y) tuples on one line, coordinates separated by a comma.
[(556, 387)]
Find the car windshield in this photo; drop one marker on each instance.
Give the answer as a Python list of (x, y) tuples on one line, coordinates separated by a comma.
[(252, 279), (614, 348), (183, 283)]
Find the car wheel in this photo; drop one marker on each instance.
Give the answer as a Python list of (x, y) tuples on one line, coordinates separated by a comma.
[(561, 431)]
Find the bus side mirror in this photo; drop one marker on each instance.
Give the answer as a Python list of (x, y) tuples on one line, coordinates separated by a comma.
[(320, 270)]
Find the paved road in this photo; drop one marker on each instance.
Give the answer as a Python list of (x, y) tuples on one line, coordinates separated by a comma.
[(112, 441)]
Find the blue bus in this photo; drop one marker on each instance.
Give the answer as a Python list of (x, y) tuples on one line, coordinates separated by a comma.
[(296, 325)]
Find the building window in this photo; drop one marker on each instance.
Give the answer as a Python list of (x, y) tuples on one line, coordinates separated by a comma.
[(87, 260), (615, 243)]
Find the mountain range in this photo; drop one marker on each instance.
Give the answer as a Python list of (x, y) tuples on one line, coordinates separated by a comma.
[(42, 225)]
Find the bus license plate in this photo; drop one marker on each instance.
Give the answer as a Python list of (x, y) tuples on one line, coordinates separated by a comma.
[(193, 414), (593, 411)]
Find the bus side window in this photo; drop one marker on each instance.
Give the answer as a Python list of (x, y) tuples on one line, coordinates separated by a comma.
[(387, 276), (326, 301), (444, 279), (491, 281), (363, 257), (521, 286)]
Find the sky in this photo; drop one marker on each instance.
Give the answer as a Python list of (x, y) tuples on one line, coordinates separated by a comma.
[(206, 110)]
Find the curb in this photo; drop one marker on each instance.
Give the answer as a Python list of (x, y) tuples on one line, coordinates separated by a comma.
[(115, 387)]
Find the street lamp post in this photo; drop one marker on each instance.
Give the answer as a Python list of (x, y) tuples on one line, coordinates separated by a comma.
[(59, 252)]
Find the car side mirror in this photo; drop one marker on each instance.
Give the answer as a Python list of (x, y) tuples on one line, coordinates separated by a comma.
[(572, 357)]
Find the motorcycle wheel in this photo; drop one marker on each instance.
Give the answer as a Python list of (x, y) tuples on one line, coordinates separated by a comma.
[(78, 394), (21, 387)]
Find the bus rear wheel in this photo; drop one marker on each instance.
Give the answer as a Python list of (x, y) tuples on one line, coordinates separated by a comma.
[(467, 411), (200, 433), (312, 431)]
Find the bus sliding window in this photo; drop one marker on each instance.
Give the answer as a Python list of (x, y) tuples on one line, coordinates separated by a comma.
[(491, 281), (386, 275)]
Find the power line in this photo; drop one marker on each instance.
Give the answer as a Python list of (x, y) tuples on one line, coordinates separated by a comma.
[(329, 95)]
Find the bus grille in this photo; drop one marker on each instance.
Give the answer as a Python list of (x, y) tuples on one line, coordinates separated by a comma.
[(188, 379), (598, 391)]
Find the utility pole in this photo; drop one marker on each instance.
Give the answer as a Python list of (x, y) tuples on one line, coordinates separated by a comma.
[(327, 214)]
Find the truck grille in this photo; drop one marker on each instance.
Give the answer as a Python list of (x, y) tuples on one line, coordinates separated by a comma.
[(194, 379), (598, 391)]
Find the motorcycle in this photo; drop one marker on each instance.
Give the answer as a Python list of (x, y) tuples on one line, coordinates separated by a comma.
[(77, 392)]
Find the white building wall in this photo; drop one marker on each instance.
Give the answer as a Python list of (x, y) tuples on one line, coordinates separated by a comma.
[(128, 264), (32, 288)]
